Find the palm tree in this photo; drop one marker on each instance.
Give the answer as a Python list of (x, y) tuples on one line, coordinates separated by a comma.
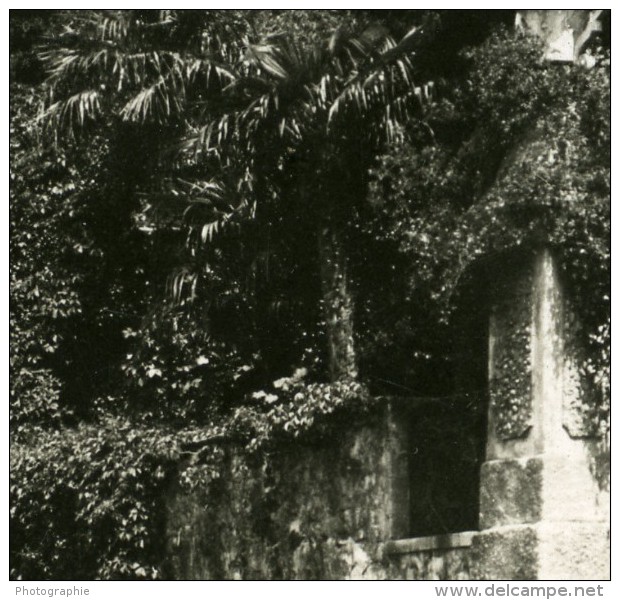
[(137, 65), (318, 113), (246, 115)]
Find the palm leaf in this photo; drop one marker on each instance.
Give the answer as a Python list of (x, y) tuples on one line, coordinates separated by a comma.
[(68, 115)]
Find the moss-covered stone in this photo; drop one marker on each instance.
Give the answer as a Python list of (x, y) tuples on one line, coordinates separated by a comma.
[(305, 512), (510, 386), (510, 492), (510, 553)]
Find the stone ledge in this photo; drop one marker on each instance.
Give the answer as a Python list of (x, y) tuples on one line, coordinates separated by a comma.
[(446, 541)]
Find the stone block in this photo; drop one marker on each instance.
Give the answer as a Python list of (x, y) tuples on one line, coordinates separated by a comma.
[(566, 550), (505, 553), (547, 487), (510, 492), (573, 550)]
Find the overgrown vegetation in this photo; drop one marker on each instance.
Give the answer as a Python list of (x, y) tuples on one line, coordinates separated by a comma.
[(519, 159), (238, 226)]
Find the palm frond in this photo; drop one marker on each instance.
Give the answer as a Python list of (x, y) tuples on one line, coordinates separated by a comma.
[(385, 85), (145, 61), (113, 25), (67, 116), (212, 71), (208, 206), (181, 285), (158, 102)]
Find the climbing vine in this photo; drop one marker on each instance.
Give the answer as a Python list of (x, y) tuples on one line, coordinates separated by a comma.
[(89, 503), (513, 154), (519, 159)]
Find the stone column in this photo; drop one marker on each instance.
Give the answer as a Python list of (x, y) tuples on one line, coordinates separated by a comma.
[(544, 504), (564, 32)]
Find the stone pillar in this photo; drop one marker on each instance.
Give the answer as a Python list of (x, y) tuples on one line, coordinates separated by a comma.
[(564, 32), (544, 504)]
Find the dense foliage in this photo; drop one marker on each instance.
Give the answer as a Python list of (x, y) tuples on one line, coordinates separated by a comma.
[(519, 159), (90, 502), (198, 198), (96, 509)]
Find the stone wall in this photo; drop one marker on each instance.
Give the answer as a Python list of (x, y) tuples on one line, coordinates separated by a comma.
[(312, 511), (339, 508)]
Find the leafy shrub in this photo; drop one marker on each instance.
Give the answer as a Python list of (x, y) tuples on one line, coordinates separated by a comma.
[(179, 373), (88, 503)]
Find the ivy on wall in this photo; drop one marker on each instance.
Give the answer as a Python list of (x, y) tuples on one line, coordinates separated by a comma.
[(510, 387), (514, 154), (89, 503), (513, 159)]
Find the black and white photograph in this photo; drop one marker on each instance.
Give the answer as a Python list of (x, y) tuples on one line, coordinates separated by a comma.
[(310, 294)]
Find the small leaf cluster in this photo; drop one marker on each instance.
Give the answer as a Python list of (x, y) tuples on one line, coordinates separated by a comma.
[(294, 409), (177, 372)]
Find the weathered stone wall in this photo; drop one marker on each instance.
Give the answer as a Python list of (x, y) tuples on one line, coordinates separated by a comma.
[(320, 511), (339, 508)]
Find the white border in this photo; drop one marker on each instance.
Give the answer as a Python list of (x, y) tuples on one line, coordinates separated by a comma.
[(276, 590)]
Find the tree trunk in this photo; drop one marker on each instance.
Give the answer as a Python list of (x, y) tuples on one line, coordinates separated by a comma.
[(337, 304)]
